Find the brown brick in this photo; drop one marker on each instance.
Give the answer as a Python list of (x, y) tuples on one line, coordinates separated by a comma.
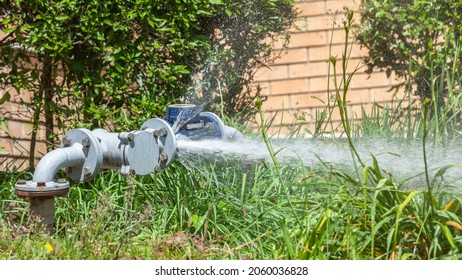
[(18, 129), (310, 69), (6, 145), (401, 94), (338, 5), (311, 8), (10, 163), (307, 100), (363, 80), (338, 37), (380, 94), (320, 53), (286, 118), (293, 56), (41, 133), (354, 65), (277, 45), (360, 96), (274, 117), (23, 95), (276, 102), (289, 86), (298, 70), (304, 118), (300, 24), (265, 90), (319, 84), (324, 22), (16, 111), (275, 72), (279, 131), (3, 133), (19, 147), (7, 108), (307, 39), (324, 53)]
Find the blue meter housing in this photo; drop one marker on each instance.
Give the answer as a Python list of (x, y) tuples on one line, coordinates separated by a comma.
[(187, 120)]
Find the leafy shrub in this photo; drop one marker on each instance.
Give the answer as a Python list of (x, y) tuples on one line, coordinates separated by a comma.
[(116, 63), (416, 40)]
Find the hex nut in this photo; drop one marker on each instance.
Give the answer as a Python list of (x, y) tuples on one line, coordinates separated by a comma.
[(163, 132), (67, 142), (86, 142), (163, 157), (86, 171)]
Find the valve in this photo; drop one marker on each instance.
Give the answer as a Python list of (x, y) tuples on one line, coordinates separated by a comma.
[(84, 153), (188, 121)]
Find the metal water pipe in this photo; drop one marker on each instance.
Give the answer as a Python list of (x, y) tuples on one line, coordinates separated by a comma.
[(84, 153)]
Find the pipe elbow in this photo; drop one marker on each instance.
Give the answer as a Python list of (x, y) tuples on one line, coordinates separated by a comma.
[(53, 161)]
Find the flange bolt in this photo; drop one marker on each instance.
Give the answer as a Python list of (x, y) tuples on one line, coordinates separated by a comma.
[(86, 142), (86, 171), (163, 157), (67, 142)]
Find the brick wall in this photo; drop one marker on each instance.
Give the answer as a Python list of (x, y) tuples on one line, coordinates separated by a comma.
[(16, 125), (16, 134), (297, 83)]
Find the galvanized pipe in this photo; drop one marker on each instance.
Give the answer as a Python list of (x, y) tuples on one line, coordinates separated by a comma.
[(140, 152), (57, 159), (43, 208), (113, 154)]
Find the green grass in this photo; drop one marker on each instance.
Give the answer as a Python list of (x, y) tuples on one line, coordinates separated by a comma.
[(226, 212)]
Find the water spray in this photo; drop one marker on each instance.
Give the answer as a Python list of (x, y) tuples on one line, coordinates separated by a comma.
[(84, 153)]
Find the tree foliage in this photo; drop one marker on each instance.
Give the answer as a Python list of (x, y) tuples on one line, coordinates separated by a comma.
[(417, 40), (95, 63)]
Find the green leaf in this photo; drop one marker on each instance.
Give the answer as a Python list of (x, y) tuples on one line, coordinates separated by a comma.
[(4, 126), (6, 21), (400, 210), (447, 233), (8, 30), (62, 17), (216, 2), (202, 12), (5, 98), (287, 241)]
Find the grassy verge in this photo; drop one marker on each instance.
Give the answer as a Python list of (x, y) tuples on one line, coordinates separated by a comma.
[(224, 212)]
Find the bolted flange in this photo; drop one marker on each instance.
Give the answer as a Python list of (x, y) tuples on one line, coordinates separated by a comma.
[(42, 199), (165, 138), (25, 188), (92, 150)]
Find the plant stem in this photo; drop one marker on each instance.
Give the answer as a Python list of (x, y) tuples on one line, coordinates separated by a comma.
[(424, 139), (258, 103)]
